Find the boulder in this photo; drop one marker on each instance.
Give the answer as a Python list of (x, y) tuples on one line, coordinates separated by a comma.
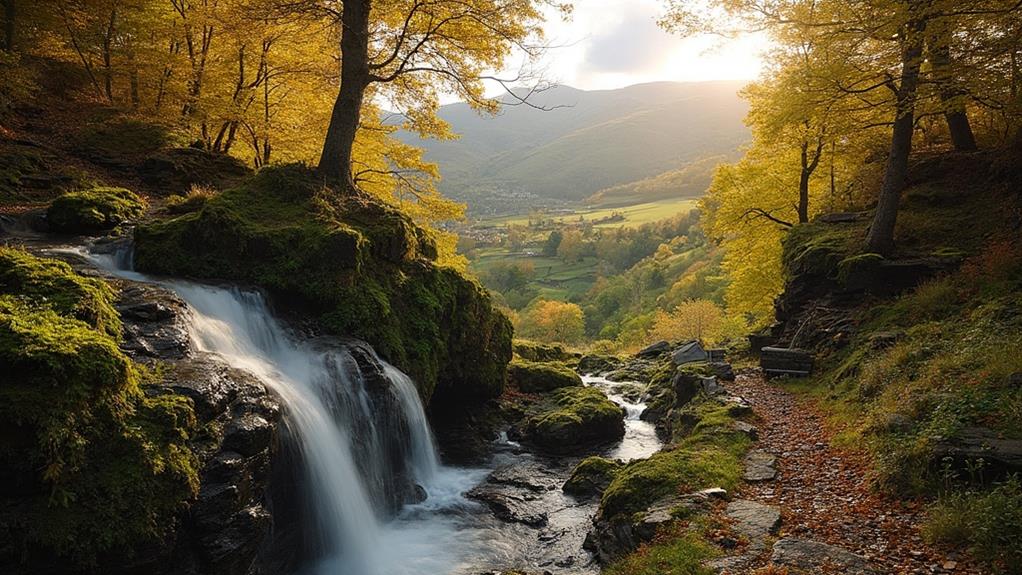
[(575, 419), (533, 377), (689, 352), (653, 350), (1000, 455), (513, 507), (591, 477), (592, 363)]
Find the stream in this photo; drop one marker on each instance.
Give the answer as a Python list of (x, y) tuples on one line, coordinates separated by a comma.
[(348, 434)]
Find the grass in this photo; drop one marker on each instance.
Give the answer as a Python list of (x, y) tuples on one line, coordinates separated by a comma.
[(555, 278), (988, 521), (681, 554)]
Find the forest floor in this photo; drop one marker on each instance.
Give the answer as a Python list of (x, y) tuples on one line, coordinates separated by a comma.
[(823, 492)]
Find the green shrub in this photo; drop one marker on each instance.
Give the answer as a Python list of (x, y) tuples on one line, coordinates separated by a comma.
[(532, 377), (989, 522), (95, 464), (94, 210)]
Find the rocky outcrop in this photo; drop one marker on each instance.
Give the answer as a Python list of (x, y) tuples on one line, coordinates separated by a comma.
[(574, 419), (231, 520), (534, 376), (352, 265)]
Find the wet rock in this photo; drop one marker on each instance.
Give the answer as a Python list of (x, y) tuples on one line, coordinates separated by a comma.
[(754, 520), (597, 363), (154, 323), (248, 434), (814, 557), (511, 506), (686, 386), (526, 474), (591, 477), (760, 466)]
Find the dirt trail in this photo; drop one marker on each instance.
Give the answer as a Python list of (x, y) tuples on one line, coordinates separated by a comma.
[(823, 492)]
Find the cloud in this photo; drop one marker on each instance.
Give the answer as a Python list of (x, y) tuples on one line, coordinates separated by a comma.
[(636, 44)]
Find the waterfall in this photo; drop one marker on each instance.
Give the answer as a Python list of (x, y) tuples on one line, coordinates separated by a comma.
[(358, 421)]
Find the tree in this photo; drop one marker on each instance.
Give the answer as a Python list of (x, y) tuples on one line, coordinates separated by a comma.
[(572, 245), (552, 321), (413, 50), (695, 319), (553, 242)]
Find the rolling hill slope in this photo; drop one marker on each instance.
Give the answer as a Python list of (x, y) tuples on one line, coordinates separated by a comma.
[(584, 142)]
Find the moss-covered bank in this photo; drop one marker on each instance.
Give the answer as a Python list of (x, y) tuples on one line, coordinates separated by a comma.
[(360, 268), (94, 210), (88, 462)]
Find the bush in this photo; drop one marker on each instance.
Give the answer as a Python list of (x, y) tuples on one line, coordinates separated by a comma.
[(94, 210), (192, 202), (90, 463), (532, 377)]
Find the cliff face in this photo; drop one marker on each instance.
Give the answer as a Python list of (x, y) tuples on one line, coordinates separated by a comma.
[(357, 267)]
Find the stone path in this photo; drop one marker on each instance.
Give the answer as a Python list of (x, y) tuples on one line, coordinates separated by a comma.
[(831, 521)]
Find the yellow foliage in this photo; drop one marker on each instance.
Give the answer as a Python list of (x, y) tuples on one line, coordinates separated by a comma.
[(552, 322)]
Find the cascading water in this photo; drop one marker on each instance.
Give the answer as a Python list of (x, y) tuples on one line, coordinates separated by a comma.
[(347, 428)]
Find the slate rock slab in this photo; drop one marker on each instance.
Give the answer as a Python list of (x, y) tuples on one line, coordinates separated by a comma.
[(813, 556)]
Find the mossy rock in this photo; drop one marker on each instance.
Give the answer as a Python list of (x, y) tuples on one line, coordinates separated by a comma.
[(534, 377), (591, 476), (90, 463), (94, 210), (575, 419), (708, 453), (52, 283), (534, 351), (358, 267)]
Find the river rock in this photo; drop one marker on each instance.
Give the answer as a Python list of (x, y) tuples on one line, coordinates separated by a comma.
[(513, 506), (814, 557), (154, 325)]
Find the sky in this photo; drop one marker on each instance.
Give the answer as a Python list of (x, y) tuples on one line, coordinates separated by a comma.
[(610, 44)]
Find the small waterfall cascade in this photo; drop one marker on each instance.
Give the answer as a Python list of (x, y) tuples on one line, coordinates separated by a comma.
[(358, 422)]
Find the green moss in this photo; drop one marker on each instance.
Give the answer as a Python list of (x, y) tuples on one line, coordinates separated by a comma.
[(532, 377), (591, 476), (94, 210), (575, 418), (53, 283), (703, 456), (818, 248), (95, 464), (850, 269), (360, 268), (534, 351)]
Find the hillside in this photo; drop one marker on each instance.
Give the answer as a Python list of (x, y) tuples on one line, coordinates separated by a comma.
[(582, 142)]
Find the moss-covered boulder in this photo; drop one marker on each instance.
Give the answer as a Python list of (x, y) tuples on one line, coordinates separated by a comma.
[(533, 377), (535, 351), (591, 476), (88, 462), (575, 419), (358, 267), (93, 210)]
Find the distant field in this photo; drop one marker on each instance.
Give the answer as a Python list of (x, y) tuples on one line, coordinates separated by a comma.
[(634, 215), (555, 278)]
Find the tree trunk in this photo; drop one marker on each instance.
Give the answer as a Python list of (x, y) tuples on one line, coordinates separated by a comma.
[(881, 233), (950, 94), (335, 162), (108, 72), (136, 98), (808, 167), (10, 20)]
